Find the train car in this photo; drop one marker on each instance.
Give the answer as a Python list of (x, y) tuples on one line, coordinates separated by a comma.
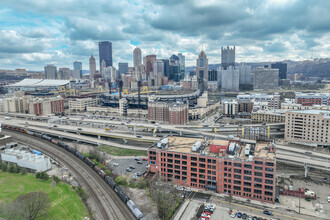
[(37, 134), (135, 210), (61, 144), (54, 141), (46, 137), (110, 181), (99, 171), (121, 194), (80, 155), (29, 132), (89, 163), (72, 150)]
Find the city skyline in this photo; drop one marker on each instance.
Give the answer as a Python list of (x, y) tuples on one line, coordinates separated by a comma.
[(34, 35)]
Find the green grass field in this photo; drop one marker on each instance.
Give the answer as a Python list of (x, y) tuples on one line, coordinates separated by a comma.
[(121, 151), (66, 204)]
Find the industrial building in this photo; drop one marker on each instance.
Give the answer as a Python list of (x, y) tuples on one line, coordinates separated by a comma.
[(238, 169), (24, 158), (308, 127), (38, 85)]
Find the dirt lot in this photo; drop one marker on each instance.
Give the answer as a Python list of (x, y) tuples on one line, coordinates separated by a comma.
[(142, 201)]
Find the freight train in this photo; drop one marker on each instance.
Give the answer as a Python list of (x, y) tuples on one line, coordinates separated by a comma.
[(130, 204)]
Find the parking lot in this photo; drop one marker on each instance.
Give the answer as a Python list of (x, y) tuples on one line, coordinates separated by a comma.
[(125, 163)]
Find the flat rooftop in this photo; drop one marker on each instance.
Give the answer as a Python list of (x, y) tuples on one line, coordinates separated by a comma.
[(216, 148)]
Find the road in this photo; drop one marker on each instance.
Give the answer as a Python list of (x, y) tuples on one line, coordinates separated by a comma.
[(106, 203)]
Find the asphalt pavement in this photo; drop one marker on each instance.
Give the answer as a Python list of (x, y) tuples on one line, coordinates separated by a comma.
[(126, 163)]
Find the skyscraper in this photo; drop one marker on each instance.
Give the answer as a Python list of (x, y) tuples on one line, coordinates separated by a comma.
[(147, 61), (50, 72), (105, 53), (175, 73), (92, 66), (123, 68), (202, 69), (182, 60), (137, 57), (77, 67), (230, 79), (227, 57), (265, 78), (282, 67), (63, 73)]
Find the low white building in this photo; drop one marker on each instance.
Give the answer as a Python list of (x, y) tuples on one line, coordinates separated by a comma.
[(26, 159)]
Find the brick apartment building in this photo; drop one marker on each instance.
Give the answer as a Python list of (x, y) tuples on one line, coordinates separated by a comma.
[(308, 126), (227, 167), (39, 106), (172, 113), (272, 100), (310, 99)]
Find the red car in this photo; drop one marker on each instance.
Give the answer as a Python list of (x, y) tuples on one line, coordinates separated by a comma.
[(208, 213), (144, 159), (204, 218)]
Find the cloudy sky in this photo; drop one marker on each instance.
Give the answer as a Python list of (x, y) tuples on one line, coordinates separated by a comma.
[(34, 33)]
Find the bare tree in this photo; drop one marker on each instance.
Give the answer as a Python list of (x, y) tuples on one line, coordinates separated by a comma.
[(29, 206)]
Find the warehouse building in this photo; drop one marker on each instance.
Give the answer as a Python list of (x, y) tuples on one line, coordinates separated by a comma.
[(244, 170)]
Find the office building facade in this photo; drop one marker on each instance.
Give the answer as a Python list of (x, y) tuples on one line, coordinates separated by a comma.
[(50, 72), (265, 79), (137, 57), (227, 57), (123, 68), (272, 100), (92, 66), (310, 99), (202, 69), (105, 53), (282, 67), (230, 79)]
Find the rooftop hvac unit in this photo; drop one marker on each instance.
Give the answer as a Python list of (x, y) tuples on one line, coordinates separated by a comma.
[(250, 157), (196, 146), (247, 150)]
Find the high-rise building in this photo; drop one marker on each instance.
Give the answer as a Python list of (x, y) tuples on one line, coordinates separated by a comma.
[(230, 79), (245, 76), (77, 67), (105, 53), (103, 66), (92, 66), (63, 73), (282, 67), (158, 68), (265, 79), (175, 71), (182, 60), (50, 72), (147, 61), (137, 57), (227, 57), (123, 68), (202, 69), (166, 67), (213, 75)]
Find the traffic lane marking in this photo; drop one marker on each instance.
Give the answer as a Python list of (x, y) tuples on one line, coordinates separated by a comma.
[(274, 213)]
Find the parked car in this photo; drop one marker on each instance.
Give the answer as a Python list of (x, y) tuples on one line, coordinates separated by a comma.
[(115, 164), (139, 162), (328, 198), (137, 159), (250, 217), (239, 215), (267, 212), (132, 167), (308, 152), (233, 215), (138, 136), (144, 159), (128, 170), (55, 126), (79, 129), (244, 216)]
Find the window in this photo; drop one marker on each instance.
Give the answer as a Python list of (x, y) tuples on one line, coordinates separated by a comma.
[(184, 162), (237, 165), (269, 187), (256, 185), (177, 156), (237, 176), (184, 157), (237, 171), (248, 166), (237, 182), (184, 173), (257, 168), (169, 160), (202, 165), (248, 178), (247, 190), (257, 173), (202, 176), (177, 161), (256, 191), (268, 175), (201, 159), (268, 193), (193, 169), (201, 170), (194, 158), (270, 164), (184, 168), (247, 184), (258, 162), (269, 181), (247, 172), (169, 155), (258, 180), (194, 164)]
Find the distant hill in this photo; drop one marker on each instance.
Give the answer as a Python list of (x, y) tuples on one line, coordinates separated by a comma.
[(311, 68)]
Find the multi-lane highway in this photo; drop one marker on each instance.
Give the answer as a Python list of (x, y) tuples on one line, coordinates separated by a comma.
[(105, 202)]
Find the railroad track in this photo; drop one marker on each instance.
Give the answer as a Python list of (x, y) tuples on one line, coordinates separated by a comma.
[(106, 203)]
